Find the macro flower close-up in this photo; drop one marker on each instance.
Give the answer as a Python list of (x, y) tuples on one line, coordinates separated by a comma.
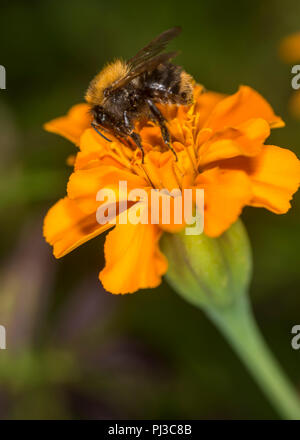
[(221, 146), (150, 208)]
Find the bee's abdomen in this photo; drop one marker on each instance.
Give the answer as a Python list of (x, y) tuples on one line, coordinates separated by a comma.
[(169, 84)]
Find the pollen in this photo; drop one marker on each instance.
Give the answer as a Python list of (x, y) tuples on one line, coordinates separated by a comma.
[(107, 76)]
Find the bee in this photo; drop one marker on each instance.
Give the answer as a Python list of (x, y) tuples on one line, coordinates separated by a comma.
[(125, 92)]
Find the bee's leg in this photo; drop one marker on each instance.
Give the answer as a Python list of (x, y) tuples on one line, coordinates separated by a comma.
[(134, 136), (161, 121), (137, 140)]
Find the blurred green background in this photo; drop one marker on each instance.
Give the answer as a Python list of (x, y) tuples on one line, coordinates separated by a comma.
[(73, 350)]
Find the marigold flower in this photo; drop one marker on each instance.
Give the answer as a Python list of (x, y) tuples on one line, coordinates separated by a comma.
[(219, 141)]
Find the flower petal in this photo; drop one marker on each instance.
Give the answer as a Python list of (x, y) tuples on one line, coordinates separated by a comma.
[(95, 150), (244, 140), (245, 104), (84, 185), (133, 258), (159, 168), (226, 192), (275, 176), (73, 124), (91, 141), (66, 227), (204, 105)]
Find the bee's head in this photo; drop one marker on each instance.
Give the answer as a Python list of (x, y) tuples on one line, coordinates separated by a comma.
[(99, 120), (98, 114)]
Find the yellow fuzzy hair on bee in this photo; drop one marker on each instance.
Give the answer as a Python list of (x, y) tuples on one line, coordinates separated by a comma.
[(107, 76), (186, 85)]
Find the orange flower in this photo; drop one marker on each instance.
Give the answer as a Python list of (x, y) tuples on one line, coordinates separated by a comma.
[(289, 48), (219, 142)]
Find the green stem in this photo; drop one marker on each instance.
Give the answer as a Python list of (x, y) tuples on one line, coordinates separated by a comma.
[(237, 323)]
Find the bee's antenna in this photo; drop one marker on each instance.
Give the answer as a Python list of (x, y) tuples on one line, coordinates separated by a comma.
[(99, 132)]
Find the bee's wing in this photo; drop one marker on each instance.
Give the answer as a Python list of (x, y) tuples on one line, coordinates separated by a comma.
[(149, 57), (155, 46), (143, 67)]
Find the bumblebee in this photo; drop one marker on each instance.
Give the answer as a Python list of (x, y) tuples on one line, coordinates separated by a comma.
[(125, 92)]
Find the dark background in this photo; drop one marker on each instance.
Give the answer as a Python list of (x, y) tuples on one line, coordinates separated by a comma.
[(73, 350)]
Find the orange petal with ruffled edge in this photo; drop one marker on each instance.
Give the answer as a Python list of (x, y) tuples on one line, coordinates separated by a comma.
[(204, 105), (84, 185), (66, 227), (73, 124), (151, 134), (91, 141), (160, 170), (244, 140), (171, 212), (226, 192), (243, 105), (94, 150), (289, 48), (275, 176), (133, 259)]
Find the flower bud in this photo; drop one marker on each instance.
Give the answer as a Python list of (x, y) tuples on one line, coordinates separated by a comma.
[(209, 271)]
